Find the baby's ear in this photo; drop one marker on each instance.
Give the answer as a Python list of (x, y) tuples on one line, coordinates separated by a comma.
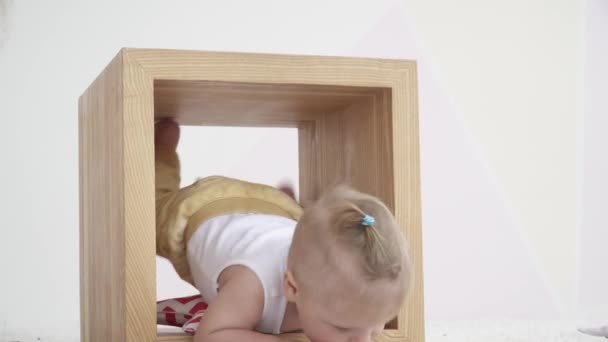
[(290, 287)]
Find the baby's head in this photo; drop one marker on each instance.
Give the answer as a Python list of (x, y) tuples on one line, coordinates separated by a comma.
[(347, 275)]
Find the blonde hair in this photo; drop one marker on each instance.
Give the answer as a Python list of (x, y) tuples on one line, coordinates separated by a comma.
[(337, 218)]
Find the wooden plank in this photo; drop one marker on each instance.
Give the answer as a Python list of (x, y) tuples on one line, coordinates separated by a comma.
[(308, 162), (249, 104), (118, 290), (406, 156), (270, 68), (139, 192), (102, 252), (355, 148)]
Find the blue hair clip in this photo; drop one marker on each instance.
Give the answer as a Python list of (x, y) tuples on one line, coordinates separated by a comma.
[(368, 220)]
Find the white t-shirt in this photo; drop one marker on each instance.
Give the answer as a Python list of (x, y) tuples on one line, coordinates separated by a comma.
[(259, 242)]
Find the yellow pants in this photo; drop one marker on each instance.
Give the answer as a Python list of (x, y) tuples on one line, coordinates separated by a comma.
[(179, 212)]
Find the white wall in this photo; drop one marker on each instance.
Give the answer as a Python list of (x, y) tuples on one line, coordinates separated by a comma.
[(593, 288), (509, 71), (498, 102)]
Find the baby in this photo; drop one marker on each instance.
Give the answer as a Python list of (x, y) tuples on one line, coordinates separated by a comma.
[(336, 271)]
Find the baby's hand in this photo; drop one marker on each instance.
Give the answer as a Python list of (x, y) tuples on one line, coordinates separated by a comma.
[(166, 134)]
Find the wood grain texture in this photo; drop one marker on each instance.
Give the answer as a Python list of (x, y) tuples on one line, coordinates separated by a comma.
[(354, 147), (118, 291), (249, 104), (139, 197), (308, 162), (269, 68), (357, 120), (102, 208), (406, 153)]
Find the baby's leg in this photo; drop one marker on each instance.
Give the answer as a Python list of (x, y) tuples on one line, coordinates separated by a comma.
[(166, 161), (167, 167)]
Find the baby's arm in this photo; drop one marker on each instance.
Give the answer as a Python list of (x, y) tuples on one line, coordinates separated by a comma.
[(235, 311)]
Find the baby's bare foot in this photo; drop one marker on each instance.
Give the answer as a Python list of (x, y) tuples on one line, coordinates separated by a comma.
[(166, 133), (287, 188)]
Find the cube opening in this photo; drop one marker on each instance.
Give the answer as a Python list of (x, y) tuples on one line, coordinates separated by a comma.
[(344, 132)]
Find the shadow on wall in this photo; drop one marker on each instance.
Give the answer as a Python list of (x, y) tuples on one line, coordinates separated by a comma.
[(4, 10)]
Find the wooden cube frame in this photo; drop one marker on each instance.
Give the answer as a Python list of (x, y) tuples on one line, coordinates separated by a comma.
[(357, 121)]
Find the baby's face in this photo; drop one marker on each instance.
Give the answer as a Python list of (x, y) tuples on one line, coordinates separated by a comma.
[(344, 320), (325, 330)]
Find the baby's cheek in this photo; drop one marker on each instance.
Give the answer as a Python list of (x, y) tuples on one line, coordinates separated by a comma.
[(318, 334), (377, 331)]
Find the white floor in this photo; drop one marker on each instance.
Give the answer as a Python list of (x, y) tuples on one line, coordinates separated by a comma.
[(505, 331)]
